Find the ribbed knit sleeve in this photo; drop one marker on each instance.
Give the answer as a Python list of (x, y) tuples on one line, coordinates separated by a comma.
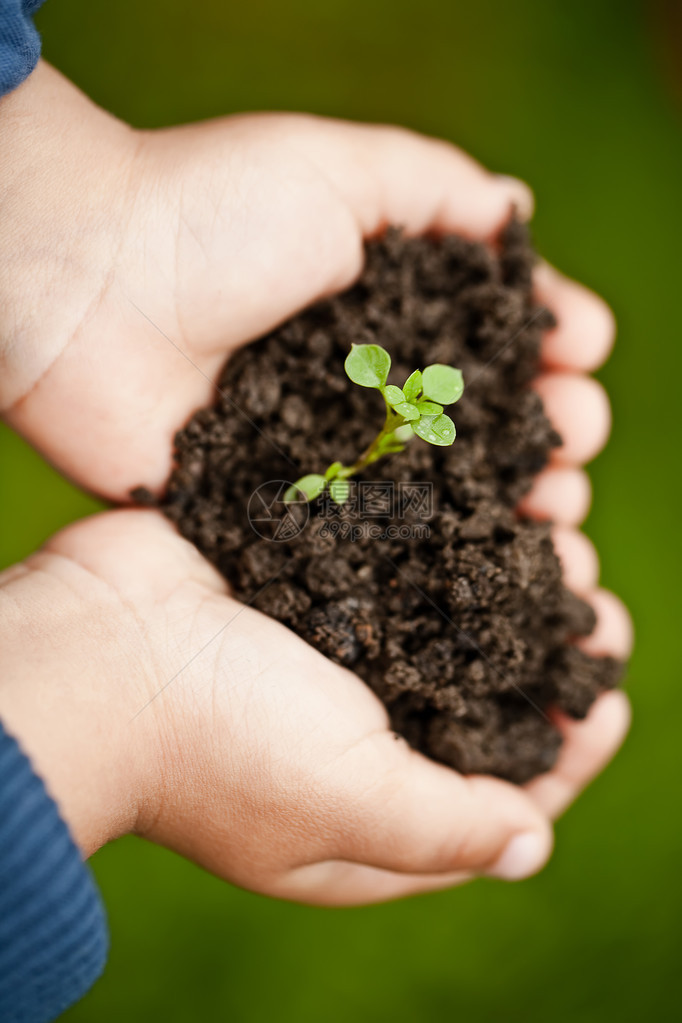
[(53, 935), (19, 42)]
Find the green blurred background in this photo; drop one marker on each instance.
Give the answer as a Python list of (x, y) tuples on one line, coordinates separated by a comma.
[(579, 99)]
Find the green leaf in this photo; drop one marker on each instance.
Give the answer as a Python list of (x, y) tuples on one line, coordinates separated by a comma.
[(443, 383), (404, 433), (393, 395), (368, 365), (438, 430), (307, 488), (413, 385), (407, 410), (429, 408), (339, 491), (332, 470)]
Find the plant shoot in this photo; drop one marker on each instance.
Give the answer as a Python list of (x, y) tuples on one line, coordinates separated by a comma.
[(415, 409)]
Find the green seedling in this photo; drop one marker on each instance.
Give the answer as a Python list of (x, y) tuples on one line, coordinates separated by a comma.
[(415, 409)]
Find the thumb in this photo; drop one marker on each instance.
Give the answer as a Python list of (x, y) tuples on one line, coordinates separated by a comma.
[(406, 813)]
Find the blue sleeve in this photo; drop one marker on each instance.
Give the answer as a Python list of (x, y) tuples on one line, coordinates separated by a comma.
[(19, 42), (53, 934)]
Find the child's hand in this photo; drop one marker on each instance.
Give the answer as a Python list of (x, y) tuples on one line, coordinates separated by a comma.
[(261, 759), (215, 232), (152, 701)]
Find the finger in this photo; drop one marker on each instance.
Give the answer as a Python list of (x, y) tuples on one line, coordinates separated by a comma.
[(579, 410), (406, 813), (578, 557), (337, 883), (586, 328), (389, 175), (561, 494), (590, 744), (613, 634), (587, 748)]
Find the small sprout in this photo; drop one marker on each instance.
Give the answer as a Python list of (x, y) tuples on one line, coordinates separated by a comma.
[(414, 409)]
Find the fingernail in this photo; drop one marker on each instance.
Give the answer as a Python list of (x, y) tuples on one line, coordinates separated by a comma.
[(523, 856), (521, 195)]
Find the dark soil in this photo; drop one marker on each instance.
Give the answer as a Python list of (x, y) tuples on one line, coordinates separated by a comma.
[(466, 634)]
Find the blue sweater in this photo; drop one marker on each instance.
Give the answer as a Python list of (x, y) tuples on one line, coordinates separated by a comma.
[(19, 42), (53, 935)]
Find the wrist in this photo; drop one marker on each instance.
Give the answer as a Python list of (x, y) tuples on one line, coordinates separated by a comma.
[(67, 685)]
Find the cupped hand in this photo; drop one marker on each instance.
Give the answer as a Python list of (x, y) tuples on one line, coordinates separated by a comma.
[(158, 704), (133, 264)]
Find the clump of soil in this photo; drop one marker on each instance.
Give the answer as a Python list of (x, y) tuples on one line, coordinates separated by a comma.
[(466, 633)]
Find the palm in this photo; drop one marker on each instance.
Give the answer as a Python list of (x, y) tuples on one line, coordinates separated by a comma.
[(273, 754)]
